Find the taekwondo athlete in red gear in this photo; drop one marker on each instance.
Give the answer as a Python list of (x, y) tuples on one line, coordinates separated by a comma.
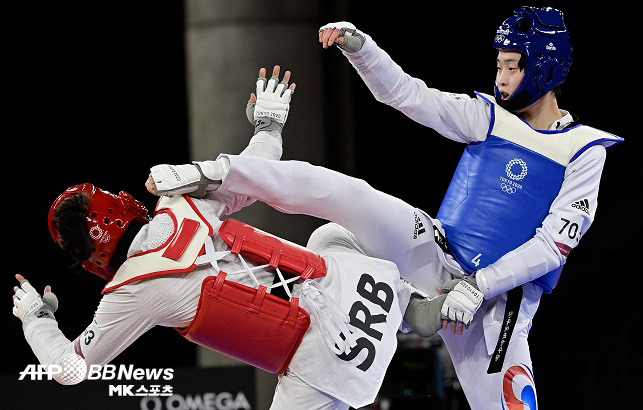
[(523, 194), (186, 255)]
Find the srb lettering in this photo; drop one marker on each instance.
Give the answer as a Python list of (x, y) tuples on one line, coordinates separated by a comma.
[(380, 294)]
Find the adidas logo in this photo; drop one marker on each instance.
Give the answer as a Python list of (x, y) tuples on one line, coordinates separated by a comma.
[(582, 205), (419, 226)]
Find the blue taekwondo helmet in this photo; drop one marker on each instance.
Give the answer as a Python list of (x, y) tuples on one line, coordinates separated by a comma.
[(540, 35)]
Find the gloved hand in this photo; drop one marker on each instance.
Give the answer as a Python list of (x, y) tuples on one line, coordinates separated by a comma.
[(29, 305), (342, 33), (268, 109), (463, 300)]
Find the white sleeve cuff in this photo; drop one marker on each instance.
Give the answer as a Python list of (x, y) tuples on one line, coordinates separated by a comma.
[(483, 284), (265, 144)]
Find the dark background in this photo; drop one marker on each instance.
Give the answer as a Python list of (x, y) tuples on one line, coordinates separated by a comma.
[(96, 92)]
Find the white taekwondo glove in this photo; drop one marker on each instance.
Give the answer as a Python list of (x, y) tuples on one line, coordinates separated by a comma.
[(353, 39), (270, 111), (463, 299), (29, 305)]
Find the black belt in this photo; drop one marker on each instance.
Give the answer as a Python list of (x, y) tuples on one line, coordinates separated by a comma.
[(512, 307)]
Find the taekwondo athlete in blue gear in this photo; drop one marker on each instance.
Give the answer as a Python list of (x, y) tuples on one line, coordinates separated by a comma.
[(516, 167), (524, 193)]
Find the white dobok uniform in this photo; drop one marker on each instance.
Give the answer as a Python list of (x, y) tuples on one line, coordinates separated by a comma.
[(394, 230), (363, 291)]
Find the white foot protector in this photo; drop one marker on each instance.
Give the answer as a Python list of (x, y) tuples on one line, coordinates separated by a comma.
[(194, 179)]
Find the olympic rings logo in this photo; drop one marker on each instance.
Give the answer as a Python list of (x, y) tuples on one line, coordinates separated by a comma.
[(508, 189), (523, 169)]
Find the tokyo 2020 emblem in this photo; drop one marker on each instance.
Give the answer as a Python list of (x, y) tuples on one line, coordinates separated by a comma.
[(516, 170), (511, 167), (518, 389)]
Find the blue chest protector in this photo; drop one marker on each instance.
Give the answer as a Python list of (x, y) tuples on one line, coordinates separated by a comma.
[(504, 186)]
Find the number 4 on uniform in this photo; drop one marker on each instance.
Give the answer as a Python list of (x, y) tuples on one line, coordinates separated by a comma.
[(476, 260)]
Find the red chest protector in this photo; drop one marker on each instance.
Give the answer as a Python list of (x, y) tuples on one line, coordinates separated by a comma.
[(250, 324)]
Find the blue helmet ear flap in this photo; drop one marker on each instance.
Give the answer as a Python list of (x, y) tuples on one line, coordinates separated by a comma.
[(547, 74)]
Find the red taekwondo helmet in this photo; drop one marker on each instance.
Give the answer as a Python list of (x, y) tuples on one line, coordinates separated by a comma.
[(540, 35), (108, 217)]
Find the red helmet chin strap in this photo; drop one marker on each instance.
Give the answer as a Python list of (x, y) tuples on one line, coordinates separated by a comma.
[(108, 217)]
